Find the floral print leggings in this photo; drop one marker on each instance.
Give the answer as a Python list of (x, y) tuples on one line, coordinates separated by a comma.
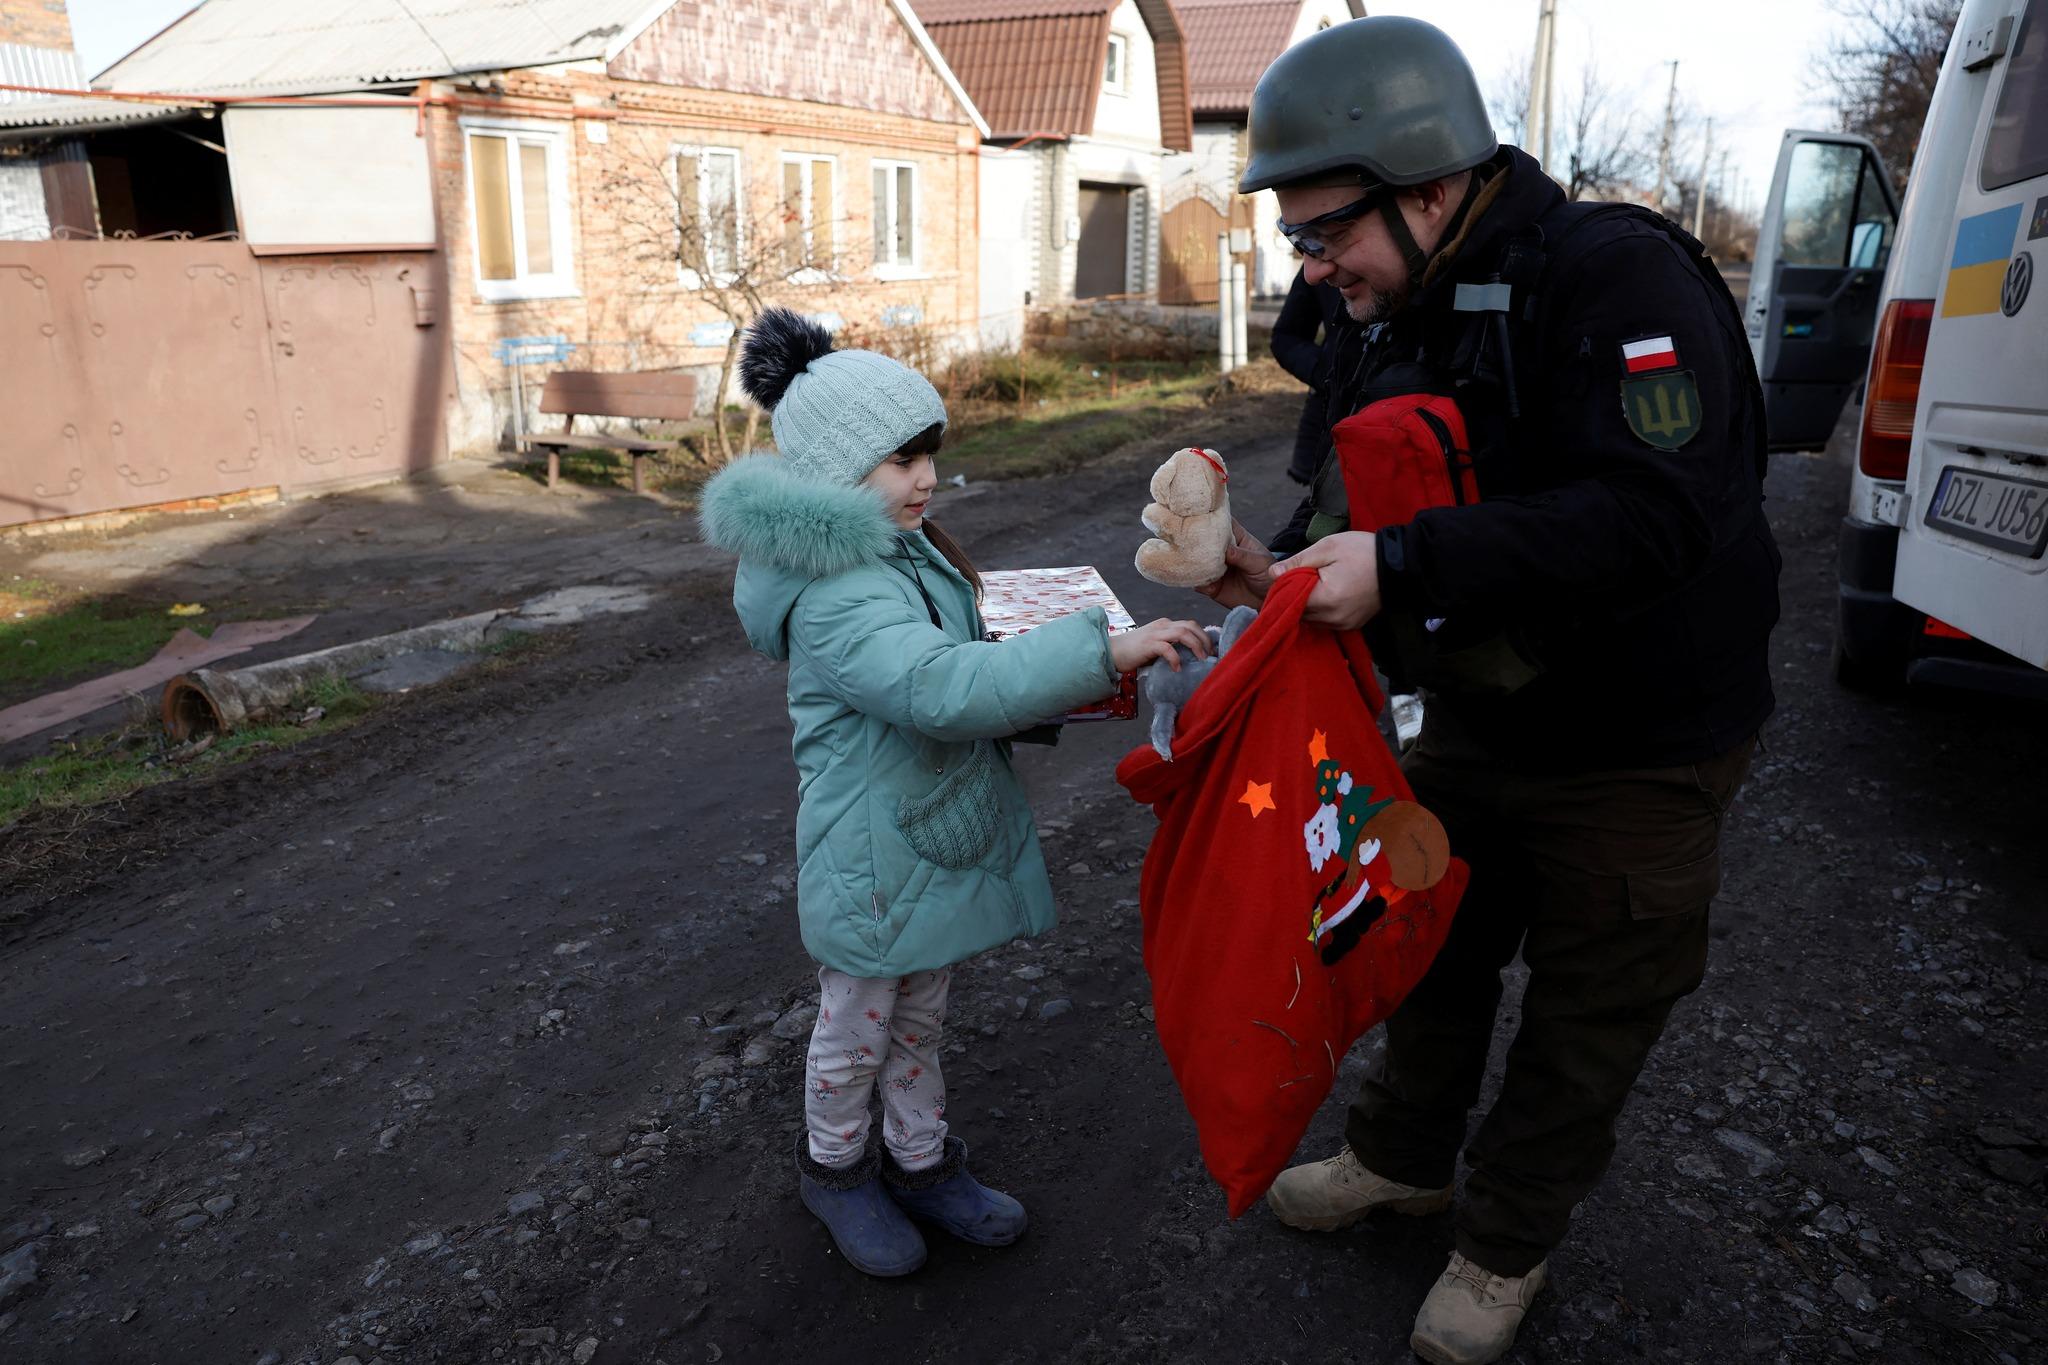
[(868, 1027)]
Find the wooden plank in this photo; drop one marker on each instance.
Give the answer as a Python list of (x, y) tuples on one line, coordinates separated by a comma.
[(577, 440), (646, 396)]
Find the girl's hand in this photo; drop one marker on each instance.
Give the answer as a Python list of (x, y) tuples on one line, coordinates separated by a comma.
[(1133, 649), (1247, 573)]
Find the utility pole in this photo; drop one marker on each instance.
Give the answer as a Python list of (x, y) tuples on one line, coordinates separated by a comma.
[(1549, 78), (1664, 143), (1699, 207), (1721, 182), (1536, 118)]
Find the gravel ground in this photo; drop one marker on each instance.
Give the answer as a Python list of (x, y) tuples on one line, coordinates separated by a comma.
[(473, 1034)]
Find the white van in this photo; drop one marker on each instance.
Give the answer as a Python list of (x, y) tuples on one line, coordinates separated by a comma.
[(1942, 573)]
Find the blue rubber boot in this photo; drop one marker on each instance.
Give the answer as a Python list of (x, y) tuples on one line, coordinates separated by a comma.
[(867, 1227), (949, 1197)]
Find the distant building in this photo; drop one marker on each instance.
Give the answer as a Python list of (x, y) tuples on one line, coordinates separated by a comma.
[(1230, 45), (1095, 94)]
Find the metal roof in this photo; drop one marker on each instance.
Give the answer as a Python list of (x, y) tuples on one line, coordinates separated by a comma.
[(1034, 67), (1230, 45), (310, 46), (57, 68)]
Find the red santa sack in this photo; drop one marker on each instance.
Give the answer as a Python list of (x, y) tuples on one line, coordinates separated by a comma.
[(1294, 892)]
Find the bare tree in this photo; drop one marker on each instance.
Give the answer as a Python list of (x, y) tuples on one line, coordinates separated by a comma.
[(1883, 70), (1605, 151), (1600, 149), (687, 219)]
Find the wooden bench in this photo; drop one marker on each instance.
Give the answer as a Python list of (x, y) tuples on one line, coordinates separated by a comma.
[(591, 393)]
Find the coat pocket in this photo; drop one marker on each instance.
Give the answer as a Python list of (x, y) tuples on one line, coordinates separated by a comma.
[(1674, 890), (956, 823)]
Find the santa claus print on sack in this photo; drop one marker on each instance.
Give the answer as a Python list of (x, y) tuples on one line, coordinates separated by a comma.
[(1387, 847)]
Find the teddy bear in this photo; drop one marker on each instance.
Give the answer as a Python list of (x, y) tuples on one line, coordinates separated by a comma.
[(1189, 519), (1168, 689)]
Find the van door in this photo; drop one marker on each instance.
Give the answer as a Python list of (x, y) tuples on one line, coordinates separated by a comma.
[(1820, 257), (1974, 524)]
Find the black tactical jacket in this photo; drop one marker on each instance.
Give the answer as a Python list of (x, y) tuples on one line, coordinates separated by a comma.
[(1637, 583)]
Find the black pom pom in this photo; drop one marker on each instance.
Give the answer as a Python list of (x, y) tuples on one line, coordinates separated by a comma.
[(779, 345)]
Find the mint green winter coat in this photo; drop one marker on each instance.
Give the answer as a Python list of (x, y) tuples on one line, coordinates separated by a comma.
[(915, 846)]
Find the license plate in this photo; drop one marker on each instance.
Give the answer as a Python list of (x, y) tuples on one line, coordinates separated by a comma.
[(2005, 513)]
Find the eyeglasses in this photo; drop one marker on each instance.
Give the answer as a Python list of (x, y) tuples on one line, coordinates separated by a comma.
[(1311, 236)]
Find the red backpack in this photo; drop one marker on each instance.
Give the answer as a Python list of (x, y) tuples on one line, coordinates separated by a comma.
[(1402, 455)]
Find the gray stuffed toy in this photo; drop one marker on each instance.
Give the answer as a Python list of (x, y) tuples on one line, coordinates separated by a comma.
[(1168, 691)]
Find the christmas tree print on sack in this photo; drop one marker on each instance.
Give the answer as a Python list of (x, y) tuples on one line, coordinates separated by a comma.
[(1294, 892)]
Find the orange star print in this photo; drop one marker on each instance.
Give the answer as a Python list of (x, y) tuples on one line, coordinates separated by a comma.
[(1319, 748), (1259, 797)]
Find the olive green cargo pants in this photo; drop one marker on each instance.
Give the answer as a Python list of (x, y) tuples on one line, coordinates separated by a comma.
[(1602, 880)]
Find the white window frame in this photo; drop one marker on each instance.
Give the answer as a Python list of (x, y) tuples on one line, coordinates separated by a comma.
[(1120, 48), (697, 152), (559, 283), (811, 274), (912, 269)]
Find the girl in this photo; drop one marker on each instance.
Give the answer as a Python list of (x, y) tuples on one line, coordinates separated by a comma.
[(915, 847)]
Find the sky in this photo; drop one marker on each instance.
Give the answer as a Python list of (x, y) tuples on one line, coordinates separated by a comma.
[(1751, 65)]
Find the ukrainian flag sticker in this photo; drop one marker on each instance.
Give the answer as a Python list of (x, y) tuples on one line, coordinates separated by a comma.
[(1977, 270)]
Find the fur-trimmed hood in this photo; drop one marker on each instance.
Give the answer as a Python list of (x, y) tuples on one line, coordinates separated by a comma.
[(788, 531)]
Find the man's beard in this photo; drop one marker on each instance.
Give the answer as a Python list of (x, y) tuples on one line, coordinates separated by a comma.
[(1377, 308)]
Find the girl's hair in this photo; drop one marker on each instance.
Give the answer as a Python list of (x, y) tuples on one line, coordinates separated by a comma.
[(927, 442)]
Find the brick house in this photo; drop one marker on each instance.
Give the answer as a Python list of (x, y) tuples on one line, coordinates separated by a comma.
[(1230, 45), (569, 161), (1095, 93)]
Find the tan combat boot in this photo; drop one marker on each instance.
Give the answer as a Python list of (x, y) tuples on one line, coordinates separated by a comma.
[(1324, 1196), (1471, 1314)]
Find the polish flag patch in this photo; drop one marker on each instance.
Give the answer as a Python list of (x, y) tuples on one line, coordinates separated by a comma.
[(1649, 353)]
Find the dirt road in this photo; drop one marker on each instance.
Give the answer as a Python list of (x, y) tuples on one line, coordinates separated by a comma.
[(454, 1038)]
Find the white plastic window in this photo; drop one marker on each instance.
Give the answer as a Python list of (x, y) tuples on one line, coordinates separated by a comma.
[(896, 213), (809, 215), (519, 210), (709, 229)]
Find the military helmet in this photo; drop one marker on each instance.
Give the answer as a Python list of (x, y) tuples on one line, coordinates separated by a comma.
[(1389, 97)]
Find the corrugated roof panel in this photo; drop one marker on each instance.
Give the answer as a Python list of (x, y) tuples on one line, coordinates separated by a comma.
[(1230, 45), (1028, 75), (77, 113), (299, 45), (1034, 66), (54, 68)]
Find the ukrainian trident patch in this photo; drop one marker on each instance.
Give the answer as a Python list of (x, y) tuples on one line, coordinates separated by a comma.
[(1663, 410)]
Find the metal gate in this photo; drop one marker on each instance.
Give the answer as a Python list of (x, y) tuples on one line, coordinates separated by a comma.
[(138, 373), (1187, 247)]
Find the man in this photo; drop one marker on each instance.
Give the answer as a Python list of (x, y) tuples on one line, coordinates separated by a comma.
[(1306, 323), (1591, 633)]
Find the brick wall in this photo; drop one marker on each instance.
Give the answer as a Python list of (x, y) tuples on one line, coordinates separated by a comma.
[(35, 23), (630, 309)]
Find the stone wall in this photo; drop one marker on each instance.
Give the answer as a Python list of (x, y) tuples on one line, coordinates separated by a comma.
[(1128, 330)]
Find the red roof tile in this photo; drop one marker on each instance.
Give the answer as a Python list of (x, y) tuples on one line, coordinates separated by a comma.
[(1230, 45), (1035, 66)]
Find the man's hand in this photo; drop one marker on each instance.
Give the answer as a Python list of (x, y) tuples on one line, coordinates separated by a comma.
[(1247, 571), (1348, 593)]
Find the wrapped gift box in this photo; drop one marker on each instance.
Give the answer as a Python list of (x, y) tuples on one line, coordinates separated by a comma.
[(1016, 600)]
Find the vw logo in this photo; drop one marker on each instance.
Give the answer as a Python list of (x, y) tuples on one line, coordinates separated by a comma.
[(2019, 278)]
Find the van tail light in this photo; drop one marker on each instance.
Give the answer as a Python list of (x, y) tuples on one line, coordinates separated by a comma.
[(1894, 389)]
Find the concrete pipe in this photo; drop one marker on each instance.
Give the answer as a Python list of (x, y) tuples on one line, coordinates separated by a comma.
[(215, 701)]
